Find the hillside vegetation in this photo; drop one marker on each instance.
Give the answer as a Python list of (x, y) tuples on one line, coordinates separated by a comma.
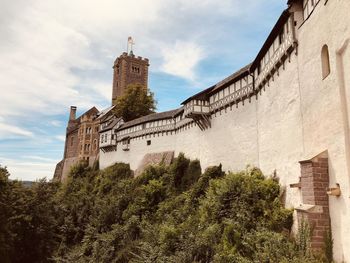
[(168, 214)]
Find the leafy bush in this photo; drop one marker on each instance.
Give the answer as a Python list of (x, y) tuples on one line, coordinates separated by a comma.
[(167, 214)]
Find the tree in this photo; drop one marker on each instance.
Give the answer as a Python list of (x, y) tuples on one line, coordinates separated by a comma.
[(136, 102)]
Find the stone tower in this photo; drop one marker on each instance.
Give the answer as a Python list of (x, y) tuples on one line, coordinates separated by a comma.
[(128, 69)]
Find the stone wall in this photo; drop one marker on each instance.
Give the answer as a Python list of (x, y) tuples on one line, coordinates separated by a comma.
[(128, 69)]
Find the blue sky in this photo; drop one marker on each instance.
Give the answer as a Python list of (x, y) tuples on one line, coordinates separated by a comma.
[(54, 54)]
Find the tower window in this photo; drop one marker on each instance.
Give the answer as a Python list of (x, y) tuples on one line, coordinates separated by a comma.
[(326, 68), (148, 142), (135, 69)]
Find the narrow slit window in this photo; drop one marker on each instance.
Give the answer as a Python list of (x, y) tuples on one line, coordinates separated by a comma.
[(326, 68)]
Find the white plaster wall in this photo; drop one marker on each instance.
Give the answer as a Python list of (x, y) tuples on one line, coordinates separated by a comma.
[(232, 140), (321, 107), (137, 149), (280, 128), (187, 140)]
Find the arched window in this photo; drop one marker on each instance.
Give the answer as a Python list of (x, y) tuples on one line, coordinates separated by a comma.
[(95, 144), (326, 68)]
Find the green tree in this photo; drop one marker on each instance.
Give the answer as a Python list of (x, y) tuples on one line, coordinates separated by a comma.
[(136, 102)]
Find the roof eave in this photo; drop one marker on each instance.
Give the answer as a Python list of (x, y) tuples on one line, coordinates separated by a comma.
[(273, 34)]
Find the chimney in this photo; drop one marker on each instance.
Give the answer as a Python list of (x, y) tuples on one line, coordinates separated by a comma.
[(73, 111)]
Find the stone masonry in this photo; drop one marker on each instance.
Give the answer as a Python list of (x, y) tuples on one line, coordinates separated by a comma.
[(315, 209)]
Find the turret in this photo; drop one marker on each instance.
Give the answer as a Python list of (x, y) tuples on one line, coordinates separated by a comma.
[(128, 69)]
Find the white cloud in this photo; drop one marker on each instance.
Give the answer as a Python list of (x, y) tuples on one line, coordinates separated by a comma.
[(39, 158), (46, 45), (61, 138), (182, 58), (54, 54), (28, 170), (56, 123), (11, 131)]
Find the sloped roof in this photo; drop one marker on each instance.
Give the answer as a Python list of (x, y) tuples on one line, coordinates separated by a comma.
[(232, 78), (73, 125), (111, 125), (152, 117), (93, 109), (202, 95), (272, 36), (104, 112)]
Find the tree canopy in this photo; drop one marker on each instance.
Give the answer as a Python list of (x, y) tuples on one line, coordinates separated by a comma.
[(136, 102), (167, 214)]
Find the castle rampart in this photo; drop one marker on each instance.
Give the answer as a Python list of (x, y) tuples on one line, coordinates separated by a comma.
[(289, 105)]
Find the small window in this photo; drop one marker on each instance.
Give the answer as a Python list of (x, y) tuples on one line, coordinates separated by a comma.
[(281, 37), (72, 141), (148, 142), (326, 68), (95, 145)]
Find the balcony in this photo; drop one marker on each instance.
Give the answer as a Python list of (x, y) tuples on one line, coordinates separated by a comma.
[(199, 111)]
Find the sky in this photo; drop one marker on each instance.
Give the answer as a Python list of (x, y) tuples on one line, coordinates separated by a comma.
[(54, 54)]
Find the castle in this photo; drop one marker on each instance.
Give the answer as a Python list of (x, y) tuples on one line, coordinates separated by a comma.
[(287, 112)]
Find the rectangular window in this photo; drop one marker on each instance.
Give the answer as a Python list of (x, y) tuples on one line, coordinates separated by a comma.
[(148, 142)]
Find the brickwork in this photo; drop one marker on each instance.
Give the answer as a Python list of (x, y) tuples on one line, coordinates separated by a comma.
[(314, 183), (82, 141), (72, 144), (128, 69)]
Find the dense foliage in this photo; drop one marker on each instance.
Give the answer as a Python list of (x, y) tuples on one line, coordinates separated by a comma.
[(137, 101), (167, 214)]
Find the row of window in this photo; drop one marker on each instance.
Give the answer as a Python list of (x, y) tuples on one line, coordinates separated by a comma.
[(87, 147), (105, 136), (146, 126), (88, 130)]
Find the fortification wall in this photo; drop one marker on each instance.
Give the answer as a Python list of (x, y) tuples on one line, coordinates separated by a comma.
[(279, 126), (295, 116)]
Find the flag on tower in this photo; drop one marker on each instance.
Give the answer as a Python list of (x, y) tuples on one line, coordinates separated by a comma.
[(130, 44), (131, 41)]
